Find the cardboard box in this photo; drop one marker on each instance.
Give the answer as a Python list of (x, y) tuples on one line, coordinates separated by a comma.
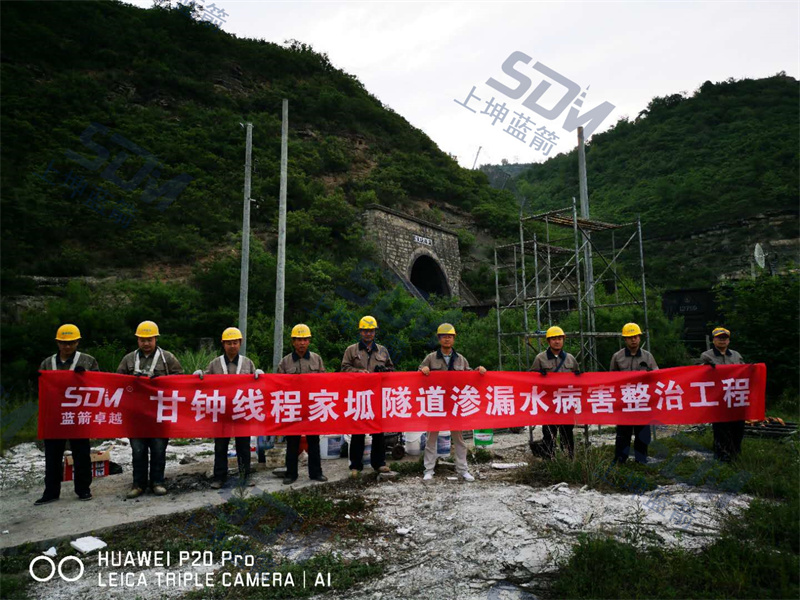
[(100, 466)]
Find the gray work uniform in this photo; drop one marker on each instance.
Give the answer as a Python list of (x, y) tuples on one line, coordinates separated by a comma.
[(165, 363), (160, 362), (294, 364), (437, 361), (552, 363), (222, 366), (54, 449), (728, 435), (623, 360), (357, 358), (240, 365)]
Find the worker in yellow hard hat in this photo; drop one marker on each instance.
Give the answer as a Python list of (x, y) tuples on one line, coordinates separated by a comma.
[(632, 358), (556, 360), (67, 359), (446, 359), (367, 356), (302, 361), (727, 435), (149, 361), (230, 362)]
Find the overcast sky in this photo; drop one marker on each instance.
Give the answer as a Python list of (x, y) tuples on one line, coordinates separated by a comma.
[(419, 57)]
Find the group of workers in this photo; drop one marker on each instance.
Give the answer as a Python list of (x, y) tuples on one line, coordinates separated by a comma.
[(366, 356)]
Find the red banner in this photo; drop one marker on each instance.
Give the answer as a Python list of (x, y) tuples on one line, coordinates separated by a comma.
[(107, 405)]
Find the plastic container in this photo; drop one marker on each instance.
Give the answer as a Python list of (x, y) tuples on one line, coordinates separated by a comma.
[(265, 442), (483, 437), (367, 447), (443, 444), (415, 442), (330, 446)]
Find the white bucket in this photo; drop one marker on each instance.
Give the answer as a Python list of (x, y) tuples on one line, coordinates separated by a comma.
[(443, 444), (330, 446), (367, 447), (415, 442)]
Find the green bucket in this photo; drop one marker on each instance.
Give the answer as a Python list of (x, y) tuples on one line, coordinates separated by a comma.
[(483, 437)]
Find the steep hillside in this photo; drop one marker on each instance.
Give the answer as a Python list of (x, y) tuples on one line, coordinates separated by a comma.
[(166, 95), (717, 160)]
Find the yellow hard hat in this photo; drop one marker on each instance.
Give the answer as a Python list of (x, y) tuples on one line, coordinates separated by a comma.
[(231, 333), (301, 331), (554, 332), (720, 331), (147, 329), (368, 323), (446, 329), (630, 330), (68, 333)]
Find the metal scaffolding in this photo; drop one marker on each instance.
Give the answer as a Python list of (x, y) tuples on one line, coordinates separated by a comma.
[(563, 281)]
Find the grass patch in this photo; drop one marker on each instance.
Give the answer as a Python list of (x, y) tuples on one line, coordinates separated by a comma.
[(479, 455), (606, 568), (408, 467), (755, 557)]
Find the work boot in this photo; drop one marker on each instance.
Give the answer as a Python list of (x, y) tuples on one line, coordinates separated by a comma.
[(427, 477), (467, 477), (289, 480), (321, 478), (159, 490), (355, 473), (383, 469), (44, 500), (85, 495), (217, 484), (134, 493)]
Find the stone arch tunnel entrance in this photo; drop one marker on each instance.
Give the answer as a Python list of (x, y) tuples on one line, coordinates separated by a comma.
[(427, 276)]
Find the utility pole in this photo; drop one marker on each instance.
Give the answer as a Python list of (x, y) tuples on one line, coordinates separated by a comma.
[(277, 351), (475, 162), (587, 251), (245, 269)]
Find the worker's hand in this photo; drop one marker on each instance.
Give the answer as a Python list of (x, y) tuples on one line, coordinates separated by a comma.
[(425, 371), (80, 369), (258, 373), (543, 372), (153, 376), (363, 371), (199, 373), (481, 370), (577, 372), (712, 365)]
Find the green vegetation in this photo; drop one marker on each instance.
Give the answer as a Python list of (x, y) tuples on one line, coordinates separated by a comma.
[(688, 164), (763, 316), (755, 557)]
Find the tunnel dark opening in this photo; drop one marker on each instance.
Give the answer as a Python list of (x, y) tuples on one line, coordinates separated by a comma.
[(427, 276)]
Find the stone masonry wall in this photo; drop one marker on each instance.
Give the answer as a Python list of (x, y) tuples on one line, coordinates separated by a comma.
[(402, 239)]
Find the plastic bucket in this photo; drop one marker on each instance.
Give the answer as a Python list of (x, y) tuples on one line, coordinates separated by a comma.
[(367, 447), (415, 442), (483, 437), (265, 442), (330, 446), (443, 444)]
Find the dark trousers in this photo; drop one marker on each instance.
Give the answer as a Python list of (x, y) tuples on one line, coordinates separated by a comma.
[(377, 457), (622, 447), (567, 441), (54, 470), (221, 457), (728, 440), (157, 448), (293, 451)]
